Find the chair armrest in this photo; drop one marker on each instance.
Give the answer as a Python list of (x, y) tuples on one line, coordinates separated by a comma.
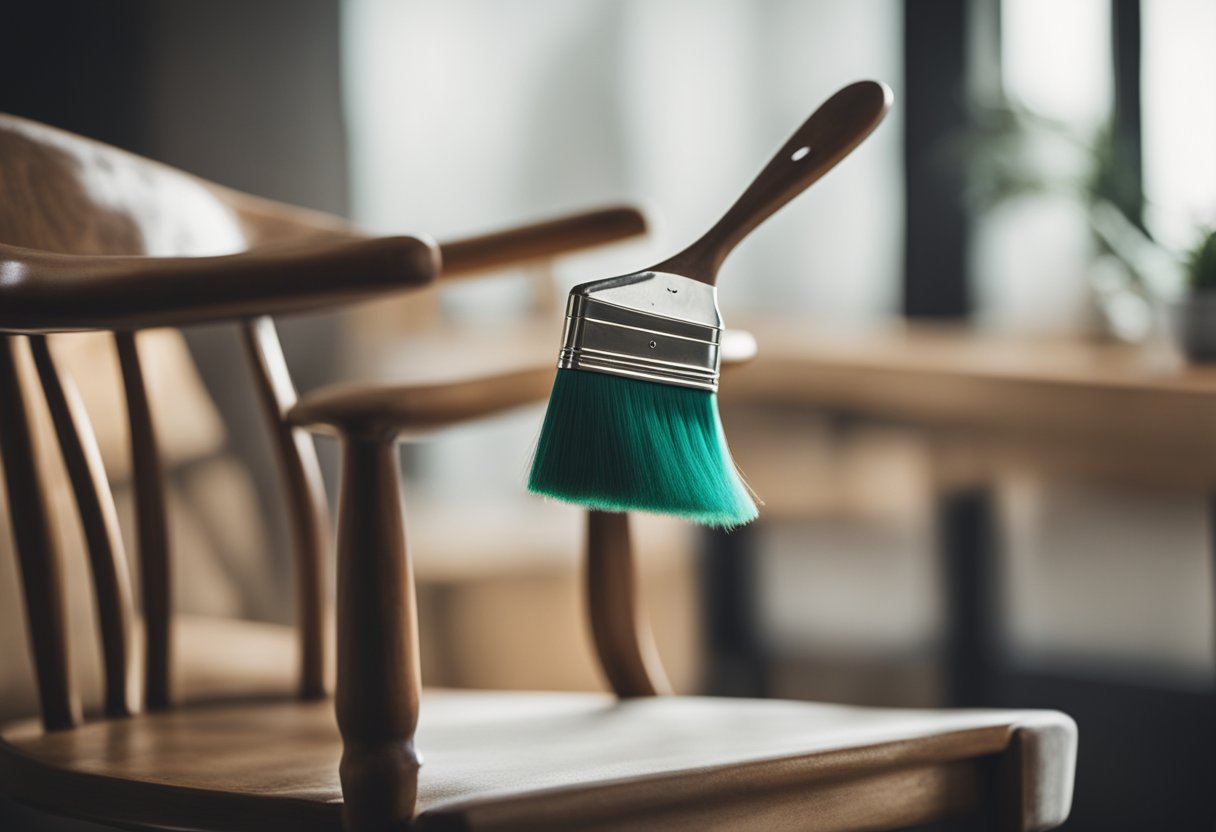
[(45, 292), (414, 409), (539, 241)]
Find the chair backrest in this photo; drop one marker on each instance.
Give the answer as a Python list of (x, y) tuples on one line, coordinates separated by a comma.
[(63, 194)]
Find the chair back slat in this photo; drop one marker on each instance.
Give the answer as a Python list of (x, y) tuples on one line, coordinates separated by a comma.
[(37, 552), (98, 518), (66, 194), (304, 490), (152, 529)]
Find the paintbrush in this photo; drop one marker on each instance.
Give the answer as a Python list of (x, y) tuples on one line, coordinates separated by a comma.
[(632, 423)]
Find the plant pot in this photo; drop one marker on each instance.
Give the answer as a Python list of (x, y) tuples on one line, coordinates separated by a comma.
[(1195, 318)]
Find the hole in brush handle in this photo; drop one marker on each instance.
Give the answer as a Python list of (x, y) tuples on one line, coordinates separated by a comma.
[(800, 154)]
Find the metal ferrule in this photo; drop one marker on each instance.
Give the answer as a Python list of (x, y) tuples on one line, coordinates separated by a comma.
[(649, 325)]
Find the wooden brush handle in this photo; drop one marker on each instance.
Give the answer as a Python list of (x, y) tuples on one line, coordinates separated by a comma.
[(830, 134)]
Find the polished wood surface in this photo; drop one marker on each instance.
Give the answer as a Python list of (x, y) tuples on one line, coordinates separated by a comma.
[(831, 133), (99, 519), (620, 628), (304, 491), (549, 761)]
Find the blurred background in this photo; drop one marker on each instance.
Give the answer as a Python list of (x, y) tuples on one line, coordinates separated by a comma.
[(1045, 168)]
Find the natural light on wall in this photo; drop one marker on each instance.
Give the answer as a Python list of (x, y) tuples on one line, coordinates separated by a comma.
[(1179, 85), (1032, 250), (1078, 589), (471, 114), (1056, 58)]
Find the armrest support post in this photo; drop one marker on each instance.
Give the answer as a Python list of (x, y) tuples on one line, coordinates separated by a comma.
[(624, 644), (540, 241), (379, 680)]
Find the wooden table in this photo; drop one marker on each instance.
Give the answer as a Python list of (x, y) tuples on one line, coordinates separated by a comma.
[(1138, 412), (986, 402)]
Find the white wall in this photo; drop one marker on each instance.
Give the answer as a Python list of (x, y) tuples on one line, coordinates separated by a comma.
[(473, 113)]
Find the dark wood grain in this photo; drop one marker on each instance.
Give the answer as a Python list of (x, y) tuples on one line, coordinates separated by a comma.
[(99, 520), (304, 491), (620, 628), (37, 552), (830, 134)]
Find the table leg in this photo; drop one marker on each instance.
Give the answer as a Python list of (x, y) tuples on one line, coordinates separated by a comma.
[(970, 562), (735, 660)]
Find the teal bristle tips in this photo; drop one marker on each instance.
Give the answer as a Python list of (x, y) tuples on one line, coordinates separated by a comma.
[(621, 444)]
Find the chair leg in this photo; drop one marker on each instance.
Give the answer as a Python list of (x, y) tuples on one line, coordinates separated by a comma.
[(379, 681)]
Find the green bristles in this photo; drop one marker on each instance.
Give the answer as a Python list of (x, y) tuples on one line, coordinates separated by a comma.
[(620, 444)]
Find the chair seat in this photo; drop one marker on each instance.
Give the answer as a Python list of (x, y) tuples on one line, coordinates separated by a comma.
[(536, 761)]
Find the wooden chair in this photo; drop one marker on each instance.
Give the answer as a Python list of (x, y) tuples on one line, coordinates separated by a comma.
[(94, 238)]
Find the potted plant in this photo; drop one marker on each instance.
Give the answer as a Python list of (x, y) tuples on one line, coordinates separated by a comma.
[(1197, 311), (1012, 152)]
